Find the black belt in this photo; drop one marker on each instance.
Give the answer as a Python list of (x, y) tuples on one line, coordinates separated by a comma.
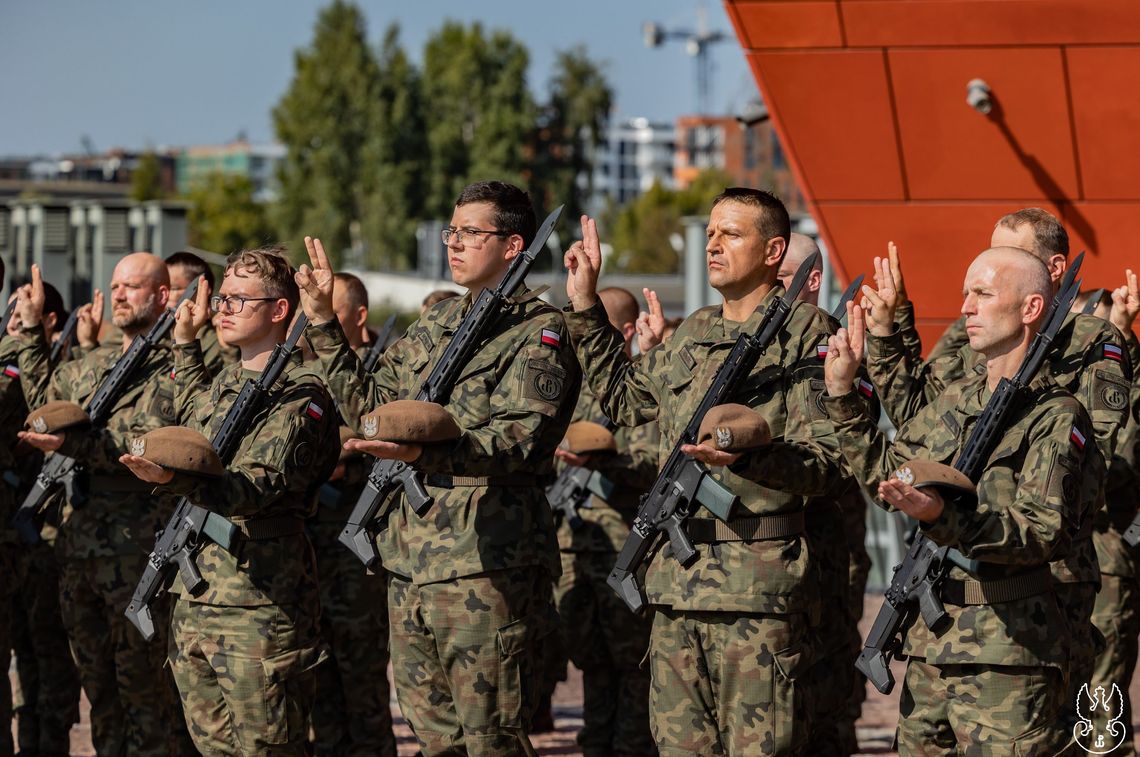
[(996, 591), (270, 528), (754, 528), (520, 480)]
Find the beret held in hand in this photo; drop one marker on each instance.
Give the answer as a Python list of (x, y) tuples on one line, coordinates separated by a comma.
[(734, 428), (55, 417), (179, 449), (410, 421)]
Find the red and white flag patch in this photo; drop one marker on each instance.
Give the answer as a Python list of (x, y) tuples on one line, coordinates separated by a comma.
[(1112, 352), (1077, 438), (11, 371), (314, 411), (866, 389), (821, 351), (551, 338)]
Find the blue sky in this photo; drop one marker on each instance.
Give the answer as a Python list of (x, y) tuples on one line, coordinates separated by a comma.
[(144, 73)]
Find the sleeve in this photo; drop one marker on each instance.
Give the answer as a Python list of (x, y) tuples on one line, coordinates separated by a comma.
[(806, 460), (33, 359), (624, 387), (1033, 526), (1105, 387), (291, 453), (907, 327), (191, 379), (530, 408), (354, 392)]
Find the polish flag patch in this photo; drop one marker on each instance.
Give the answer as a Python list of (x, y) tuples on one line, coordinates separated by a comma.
[(1077, 438), (1112, 352), (821, 351), (11, 371), (314, 411), (171, 373), (551, 338), (866, 389)]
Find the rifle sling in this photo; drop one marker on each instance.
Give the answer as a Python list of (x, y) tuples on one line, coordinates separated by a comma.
[(262, 529), (518, 480), (754, 528), (997, 591)]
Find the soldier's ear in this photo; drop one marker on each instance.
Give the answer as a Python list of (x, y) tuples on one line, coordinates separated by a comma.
[(774, 251), (1032, 308), (515, 245)]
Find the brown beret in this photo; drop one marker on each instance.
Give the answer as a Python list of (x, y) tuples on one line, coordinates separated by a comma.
[(734, 428), (180, 449), (56, 416), (346, 433), (923, 473), (410, 421), (585, 437)]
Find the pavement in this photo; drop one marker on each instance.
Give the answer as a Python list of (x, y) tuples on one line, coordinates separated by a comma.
[(875, 729)]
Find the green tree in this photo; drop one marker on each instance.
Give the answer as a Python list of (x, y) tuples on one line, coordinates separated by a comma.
[(476, 86), (323, 120), (574, 118), (146, 179), (395, 157), (643, 229), (223, 215)]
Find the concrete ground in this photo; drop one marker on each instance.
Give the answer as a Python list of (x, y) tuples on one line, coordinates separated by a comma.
[(875, 728)]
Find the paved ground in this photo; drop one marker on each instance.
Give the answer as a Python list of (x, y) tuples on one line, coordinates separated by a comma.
[(876, 727)]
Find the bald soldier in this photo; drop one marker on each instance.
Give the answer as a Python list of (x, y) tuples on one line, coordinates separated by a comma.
[(1090, 358), (992, 682), (352, 716), (103, 544), (837, 529), (604, 639)]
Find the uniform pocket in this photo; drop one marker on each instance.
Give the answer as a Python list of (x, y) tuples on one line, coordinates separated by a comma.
[(790, 709), (289, 687), (518, 677)]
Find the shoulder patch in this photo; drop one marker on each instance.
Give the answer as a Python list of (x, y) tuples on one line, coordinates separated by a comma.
[(314, 411), (550, 338), (1077, 438), (11, 371), (1112, 352), (543, 381), (1109, 392)]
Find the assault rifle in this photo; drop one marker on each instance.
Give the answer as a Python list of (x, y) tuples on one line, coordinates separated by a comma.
[(58, 468), (1094, 300), (684, 482), (7, 318), (63, 343), (178, 543), (485, 312), (917, 579), (572, 490), (848, 294)]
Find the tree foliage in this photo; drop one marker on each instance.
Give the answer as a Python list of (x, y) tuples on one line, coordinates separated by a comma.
[(223, 215), (146, 179)]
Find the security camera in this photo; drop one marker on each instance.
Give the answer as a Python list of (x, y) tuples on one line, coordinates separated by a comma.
[(979, 97)]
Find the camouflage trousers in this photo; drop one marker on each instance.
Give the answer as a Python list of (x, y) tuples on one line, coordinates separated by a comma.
[(1077, 602), (49, 682), (1118, 619), (9, 560), (607, 643), (122, 675), (246, 676), (858, 569), (352, 716), (466, 660), (981, 710), (728, 683)]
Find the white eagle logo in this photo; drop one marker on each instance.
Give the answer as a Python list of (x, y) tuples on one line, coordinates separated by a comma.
[(1103, 707)]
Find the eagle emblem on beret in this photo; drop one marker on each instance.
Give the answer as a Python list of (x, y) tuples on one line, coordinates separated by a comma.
[(371, 425), (723, 437), (905, 474), (138, 446), (39, 425)]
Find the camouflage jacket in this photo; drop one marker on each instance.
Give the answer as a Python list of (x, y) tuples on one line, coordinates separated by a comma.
[(112, 513), (667, 384), (336, 498), (1037, 480), (1090, 359), (13, 411), (513, 401), (632, 470), (288, 450)]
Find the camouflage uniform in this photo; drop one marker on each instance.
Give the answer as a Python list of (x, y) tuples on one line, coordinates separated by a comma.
[(470, 583), (603, 638), (1089, 360), (352, 715), (244, 650), (730, 639), (104, 540), (992, 681), (12, 410)]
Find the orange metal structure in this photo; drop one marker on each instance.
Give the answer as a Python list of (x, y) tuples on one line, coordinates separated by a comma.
[(869, 100)]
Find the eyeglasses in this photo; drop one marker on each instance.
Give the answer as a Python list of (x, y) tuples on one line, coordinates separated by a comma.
[(234, 305), (470, 237)]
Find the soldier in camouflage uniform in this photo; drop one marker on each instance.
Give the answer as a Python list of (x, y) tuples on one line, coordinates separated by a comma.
[(184, 267), (352, 715), (103, 543), (992, 682), (470, 583), (1088, 359), (603, 638), (244, 650), (49, 683), (731, 634)]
